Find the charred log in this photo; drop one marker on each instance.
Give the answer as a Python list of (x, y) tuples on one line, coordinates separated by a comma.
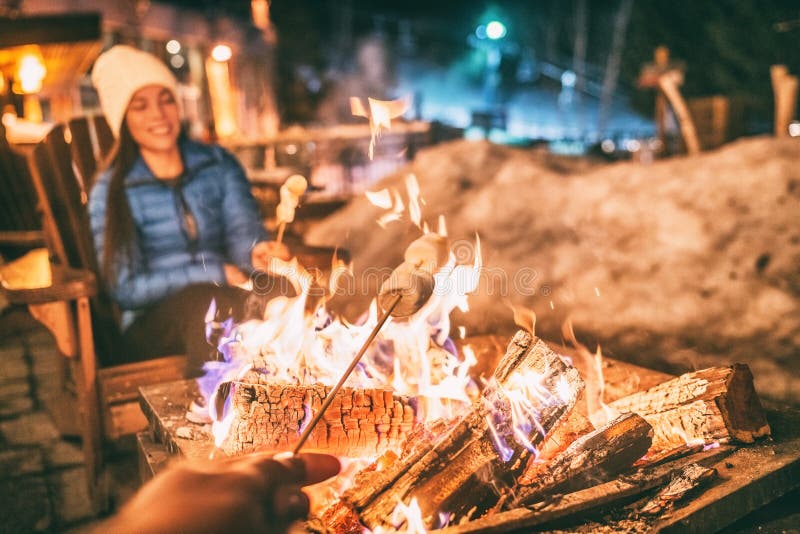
[(591, 459), (574, 425), (715, 404), (359, 422)]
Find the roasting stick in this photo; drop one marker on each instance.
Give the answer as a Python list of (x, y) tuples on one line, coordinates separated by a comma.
[(410, 284), (281, 229), (329, 399)]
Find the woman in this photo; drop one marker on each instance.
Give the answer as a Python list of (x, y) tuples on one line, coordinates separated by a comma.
[(174, 222)]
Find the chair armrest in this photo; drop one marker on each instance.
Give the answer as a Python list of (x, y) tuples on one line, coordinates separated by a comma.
[(70, 284), (22, 238)]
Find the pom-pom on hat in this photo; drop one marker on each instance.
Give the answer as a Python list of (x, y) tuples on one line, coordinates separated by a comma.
[(121, 71)]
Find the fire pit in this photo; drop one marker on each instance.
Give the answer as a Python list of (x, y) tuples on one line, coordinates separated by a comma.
[(747, 475)]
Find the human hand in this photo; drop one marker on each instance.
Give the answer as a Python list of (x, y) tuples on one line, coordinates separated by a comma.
[(264, 250), (254, 493), (234, 276)]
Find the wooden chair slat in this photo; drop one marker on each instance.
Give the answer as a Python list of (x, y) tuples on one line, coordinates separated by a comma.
[(104, 136), (82, 147)]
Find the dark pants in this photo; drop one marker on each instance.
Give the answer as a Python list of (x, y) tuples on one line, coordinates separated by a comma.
[(176, 324)]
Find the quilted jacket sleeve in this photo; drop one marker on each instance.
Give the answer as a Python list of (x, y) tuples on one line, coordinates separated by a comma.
[(242, 221)]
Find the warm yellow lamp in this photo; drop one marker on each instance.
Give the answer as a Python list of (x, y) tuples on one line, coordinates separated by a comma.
[(30, 73)]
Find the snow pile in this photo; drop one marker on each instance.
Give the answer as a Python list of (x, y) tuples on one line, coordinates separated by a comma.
[(683, 263)]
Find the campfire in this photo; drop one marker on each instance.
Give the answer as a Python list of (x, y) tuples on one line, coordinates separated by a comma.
[(427, 445)]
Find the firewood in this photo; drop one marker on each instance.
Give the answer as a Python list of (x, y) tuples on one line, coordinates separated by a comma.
[(688, 479), (591, 459), (458, 474), (578, 503), (717, 404), (360, 422), (574, 425)]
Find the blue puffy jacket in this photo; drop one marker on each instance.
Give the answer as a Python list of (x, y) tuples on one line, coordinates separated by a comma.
[(215, 191)]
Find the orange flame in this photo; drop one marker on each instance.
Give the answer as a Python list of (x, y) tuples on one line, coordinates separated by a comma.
[(296, 346), (599, 412), (414, 211), (406, 519), (524, 318)]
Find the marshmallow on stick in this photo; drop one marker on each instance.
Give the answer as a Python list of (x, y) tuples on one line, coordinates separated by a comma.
[(291, 191)]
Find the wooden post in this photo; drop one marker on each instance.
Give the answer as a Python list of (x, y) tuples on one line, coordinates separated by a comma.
[(668, 83), (89, 405), (784, 87)]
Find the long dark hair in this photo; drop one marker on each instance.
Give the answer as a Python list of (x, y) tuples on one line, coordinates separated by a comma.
[(119, 241)]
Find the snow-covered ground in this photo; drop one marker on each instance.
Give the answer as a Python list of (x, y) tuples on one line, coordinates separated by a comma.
[(683, 263)]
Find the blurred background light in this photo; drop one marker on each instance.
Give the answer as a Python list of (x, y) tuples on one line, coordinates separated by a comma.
[(221, 53)]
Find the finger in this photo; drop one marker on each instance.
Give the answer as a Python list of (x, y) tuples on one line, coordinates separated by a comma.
[(289, 503), (302, 469), (319, 467)]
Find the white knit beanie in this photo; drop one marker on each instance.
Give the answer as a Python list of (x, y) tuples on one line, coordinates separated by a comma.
[(121, 71)]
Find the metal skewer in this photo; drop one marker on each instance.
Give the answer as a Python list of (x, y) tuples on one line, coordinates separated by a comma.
[(329, 399)]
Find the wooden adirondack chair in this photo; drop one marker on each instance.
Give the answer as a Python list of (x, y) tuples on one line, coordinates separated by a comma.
[(82, 320), (80, 317)]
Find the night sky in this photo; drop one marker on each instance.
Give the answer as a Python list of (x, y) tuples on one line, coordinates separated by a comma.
[(727, 45)]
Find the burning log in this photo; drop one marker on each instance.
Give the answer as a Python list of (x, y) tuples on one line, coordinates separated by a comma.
[(359, 422), (717, 404), (574, 425), (460, 473), (591, 459)]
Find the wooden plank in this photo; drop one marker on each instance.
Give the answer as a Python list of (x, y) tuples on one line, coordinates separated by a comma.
[(81, 149), (121, 383), (153, 457), (712, 404), (595, 457), (122, 420), (164, 406), (749, 479)]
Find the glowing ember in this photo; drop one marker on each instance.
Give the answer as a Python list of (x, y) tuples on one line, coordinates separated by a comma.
[(380, 115), (414, 211), (381, 199)]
